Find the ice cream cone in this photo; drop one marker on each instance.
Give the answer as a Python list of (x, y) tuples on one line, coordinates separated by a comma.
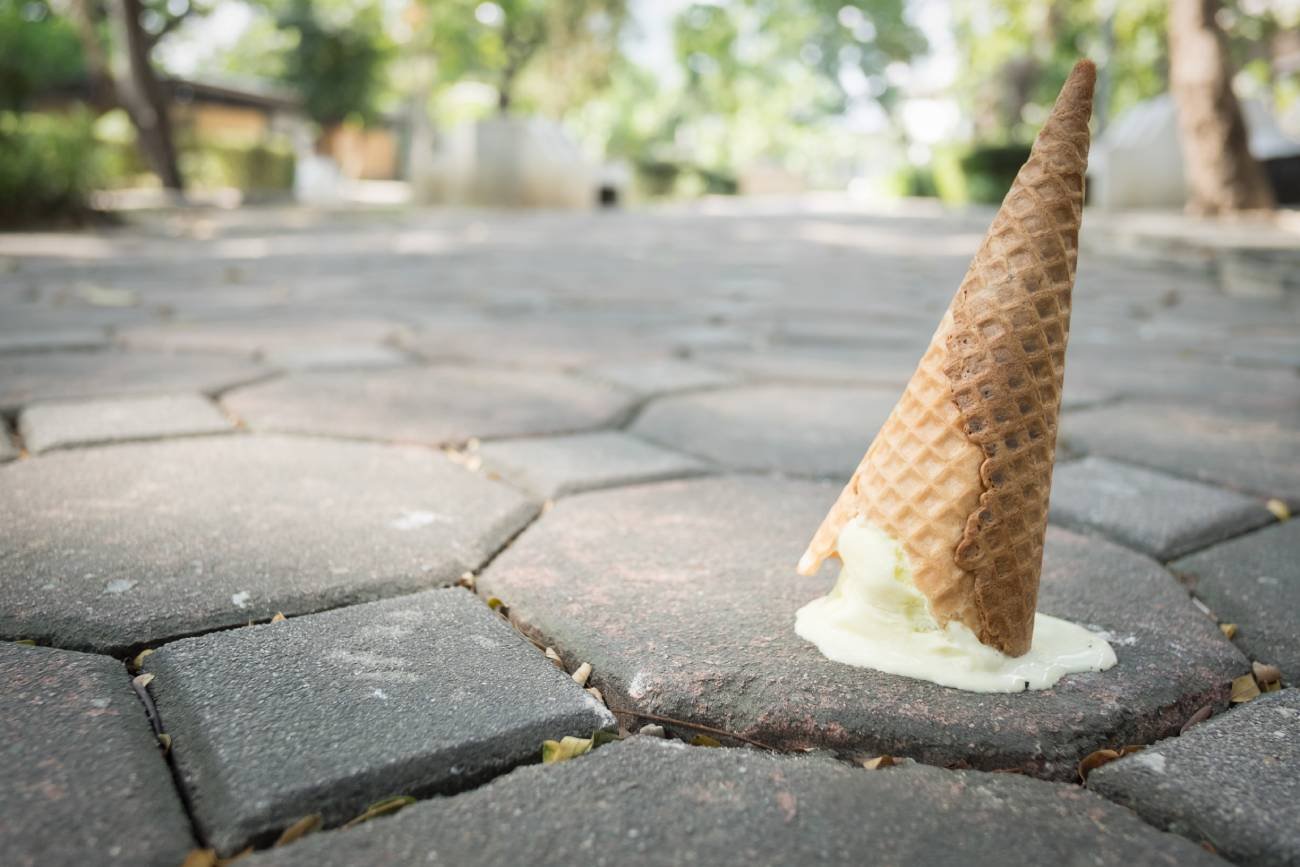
[(961, 471)]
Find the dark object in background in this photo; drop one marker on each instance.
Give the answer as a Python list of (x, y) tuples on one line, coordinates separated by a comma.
[(990, 169), (607, 196), (1284, 176)]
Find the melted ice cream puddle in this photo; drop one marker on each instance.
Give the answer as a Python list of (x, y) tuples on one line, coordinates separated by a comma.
[(875, 617)]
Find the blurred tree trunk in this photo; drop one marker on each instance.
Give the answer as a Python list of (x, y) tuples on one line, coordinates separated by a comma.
[(128, 79), (1222, 176), (141, 93)]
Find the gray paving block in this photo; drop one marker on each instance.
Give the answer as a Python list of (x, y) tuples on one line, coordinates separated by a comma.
[(804, 430), (1254, 582), (334, 356), (887, 366), (692, 617), (62, 424), (557, 466), (260, 332), (29, 377), (1230, 782), (534, 343), (107, 549), (429, 405), (328, 713), (84, 779), (53, 341), (660, 375), (653, 802), (1149, 511), (1236, 450)]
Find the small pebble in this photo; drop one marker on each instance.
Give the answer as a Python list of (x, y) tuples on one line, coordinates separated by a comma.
[(652, 730), (580, 676)]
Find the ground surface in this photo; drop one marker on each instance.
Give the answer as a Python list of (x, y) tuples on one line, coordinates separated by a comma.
[(619, 430)]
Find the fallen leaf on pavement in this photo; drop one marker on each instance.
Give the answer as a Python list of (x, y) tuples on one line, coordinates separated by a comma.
[(1244, 689), (564, 749), (381, 808), (299, 829)]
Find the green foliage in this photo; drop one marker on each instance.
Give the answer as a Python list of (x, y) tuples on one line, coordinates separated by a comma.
[(48, 166), (1017, 53), (550, 56), (338, 57), (989, 170), (257, 168), (761, 81), (38, 51)]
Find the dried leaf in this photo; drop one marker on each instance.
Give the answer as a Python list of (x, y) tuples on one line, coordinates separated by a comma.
[(165, 741), (467, 581), (1195, 719), (200, 858), (652, 730), (1095, 760), (494, 603), (564, 749), (279, 617), (705, 741), (138, 662), (381, 808), (602, 737), (299, 829), (554, 657), (1266, 674), (1228, 629), (1279, 509), (243, 853), (1244, 689), (26, 642), (880, 762), (583, 672), (142, 680)]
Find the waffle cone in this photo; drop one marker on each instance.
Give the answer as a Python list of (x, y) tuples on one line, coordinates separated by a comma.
[(961, 471)]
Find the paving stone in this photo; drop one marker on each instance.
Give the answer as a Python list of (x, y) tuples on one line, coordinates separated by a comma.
[(540, 343), (1160, 374), (53, 341), (329, 713), (661, 375), (890, 366), (1230, 782), (1152, 512), (556, 466), (46, 426), (335, 356), (107, 549), (655, 802), (801, 430), (713, 559), (255, 335), (29, 377), (84, 780), (1231, 449), (434, 405), (1254, 582)]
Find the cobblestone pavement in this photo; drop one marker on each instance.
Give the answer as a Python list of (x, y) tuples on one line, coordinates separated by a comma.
[(263, 446)]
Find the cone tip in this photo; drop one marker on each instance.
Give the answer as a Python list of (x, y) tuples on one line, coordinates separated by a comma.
[(1079, 86)]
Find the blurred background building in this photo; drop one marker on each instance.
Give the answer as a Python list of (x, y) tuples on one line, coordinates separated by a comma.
[(575, 103)]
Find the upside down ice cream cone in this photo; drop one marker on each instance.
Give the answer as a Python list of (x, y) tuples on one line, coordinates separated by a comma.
[(958, 478)]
